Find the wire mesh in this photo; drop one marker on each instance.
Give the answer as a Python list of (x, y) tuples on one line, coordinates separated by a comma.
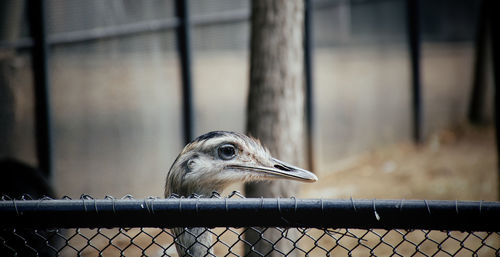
[(230, 241)]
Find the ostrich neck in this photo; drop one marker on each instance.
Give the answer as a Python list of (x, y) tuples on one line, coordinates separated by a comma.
[(196, 241), (193, 241), (204, 190)]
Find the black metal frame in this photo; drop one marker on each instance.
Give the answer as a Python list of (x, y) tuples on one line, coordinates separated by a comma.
[(494, 26), (414, 48), (40, 60), (309, 81), (268, 212), (478, 84), (184, 49)]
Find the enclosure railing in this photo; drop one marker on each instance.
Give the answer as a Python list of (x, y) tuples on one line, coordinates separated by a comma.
[(321, 227)]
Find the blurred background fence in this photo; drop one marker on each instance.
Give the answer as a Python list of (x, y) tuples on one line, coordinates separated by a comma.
[(127, 83), (130, 227)]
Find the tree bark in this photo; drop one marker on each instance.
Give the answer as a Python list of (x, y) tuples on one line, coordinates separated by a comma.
[(275, 110)]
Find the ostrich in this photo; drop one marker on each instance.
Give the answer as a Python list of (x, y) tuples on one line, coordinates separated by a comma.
[(210, 163)]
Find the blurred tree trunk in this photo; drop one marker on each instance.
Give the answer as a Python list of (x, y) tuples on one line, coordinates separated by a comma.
[(275, 110)]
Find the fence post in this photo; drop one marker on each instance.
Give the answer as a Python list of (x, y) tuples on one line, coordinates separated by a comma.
[(476, 104), (308, 73), (414, 44), (41, 80), (184, 48), (492, 9)]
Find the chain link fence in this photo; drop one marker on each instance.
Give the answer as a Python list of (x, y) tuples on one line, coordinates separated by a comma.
[(37, 238), (229, 242)]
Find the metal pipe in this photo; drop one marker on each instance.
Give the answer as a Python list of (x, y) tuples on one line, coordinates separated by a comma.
[(263, 212), (414, 45), (20, 44), (477, 98), (80, 36), (40, 56), (492, 8), (131, 29), (308, 73), (184, 49), (74, 37), (221, 17)]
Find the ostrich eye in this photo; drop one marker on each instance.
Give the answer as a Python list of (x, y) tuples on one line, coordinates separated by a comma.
[(227, 152)]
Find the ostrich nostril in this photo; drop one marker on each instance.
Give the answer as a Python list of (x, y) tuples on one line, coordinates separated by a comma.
[(281, 167)]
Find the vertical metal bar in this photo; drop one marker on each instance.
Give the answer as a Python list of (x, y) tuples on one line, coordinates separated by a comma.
[(40, 55), (414, 44), (308, 73), (493, 6), (476, 103), (184, 48)]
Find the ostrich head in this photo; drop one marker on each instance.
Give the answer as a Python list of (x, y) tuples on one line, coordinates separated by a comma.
[(216, 159)]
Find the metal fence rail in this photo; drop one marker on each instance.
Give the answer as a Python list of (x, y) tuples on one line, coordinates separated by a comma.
[(313, 227)]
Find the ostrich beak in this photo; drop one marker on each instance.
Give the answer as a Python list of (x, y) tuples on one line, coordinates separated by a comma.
[(280, 169)]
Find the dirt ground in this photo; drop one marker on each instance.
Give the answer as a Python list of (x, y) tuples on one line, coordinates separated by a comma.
[(458, 164)]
